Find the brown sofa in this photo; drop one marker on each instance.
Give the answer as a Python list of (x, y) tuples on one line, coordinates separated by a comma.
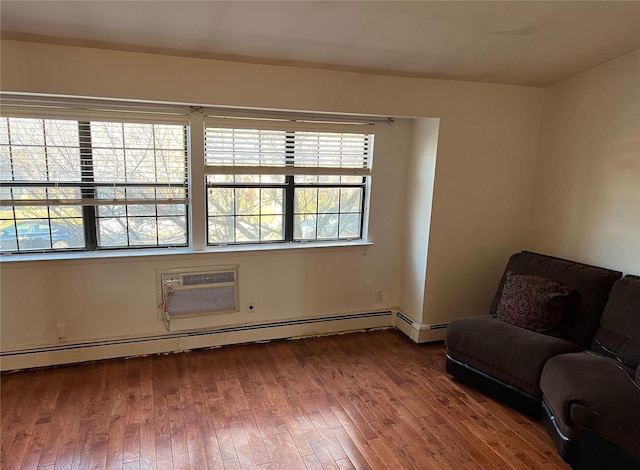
[(597, 391), (590, 400), (506, 361)]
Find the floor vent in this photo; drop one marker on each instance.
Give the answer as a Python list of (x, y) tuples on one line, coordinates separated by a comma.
[(193, 292)]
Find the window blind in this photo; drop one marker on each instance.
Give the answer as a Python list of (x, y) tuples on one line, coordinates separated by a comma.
[(62, 161), (294, 152)]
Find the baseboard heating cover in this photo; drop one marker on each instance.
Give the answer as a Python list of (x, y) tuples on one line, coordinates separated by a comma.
[(420, 332), (69, 353)]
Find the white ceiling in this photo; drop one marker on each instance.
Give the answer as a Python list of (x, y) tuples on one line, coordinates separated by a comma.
[(524, 43)]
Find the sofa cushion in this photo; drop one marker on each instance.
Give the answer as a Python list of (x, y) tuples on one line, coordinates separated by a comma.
[(590, 284), (586, 392), (506, 352), (619, 332), (532, 302)]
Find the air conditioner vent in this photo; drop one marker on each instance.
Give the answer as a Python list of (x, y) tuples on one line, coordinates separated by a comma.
[(208, 278), (197, 291)]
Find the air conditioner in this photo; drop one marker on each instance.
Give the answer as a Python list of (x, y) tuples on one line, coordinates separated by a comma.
[(197, 291)]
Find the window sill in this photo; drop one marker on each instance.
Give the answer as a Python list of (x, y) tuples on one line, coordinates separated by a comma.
[(125, 255)]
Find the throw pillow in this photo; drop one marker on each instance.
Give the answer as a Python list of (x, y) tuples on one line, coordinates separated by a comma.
[(532, 302)]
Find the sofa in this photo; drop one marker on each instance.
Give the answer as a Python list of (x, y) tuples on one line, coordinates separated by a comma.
[(596, 392), (552, 344)]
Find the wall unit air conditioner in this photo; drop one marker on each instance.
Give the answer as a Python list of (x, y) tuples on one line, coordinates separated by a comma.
[(184, 293)]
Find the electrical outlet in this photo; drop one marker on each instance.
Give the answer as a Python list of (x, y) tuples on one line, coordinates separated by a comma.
[(62, 331), (251, 307), (379, 295)]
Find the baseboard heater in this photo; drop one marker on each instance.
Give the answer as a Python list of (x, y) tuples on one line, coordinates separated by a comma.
[(420, 332), (193, 339)]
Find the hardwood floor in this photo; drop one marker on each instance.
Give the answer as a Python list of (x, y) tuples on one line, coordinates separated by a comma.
[(360, 400)]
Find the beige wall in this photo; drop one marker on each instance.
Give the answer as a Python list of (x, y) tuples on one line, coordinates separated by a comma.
[(419, 201), (486, 149), (586, 203)]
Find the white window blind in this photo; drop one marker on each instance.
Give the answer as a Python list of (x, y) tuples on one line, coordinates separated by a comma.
[(78, 162), (81, 174), (295, 152)]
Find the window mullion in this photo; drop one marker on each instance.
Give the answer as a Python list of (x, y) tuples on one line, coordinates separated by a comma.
[(290, 189), (197, 182), (87, 190)]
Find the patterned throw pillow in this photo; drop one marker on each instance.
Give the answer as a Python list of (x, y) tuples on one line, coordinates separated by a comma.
[(532, 302)]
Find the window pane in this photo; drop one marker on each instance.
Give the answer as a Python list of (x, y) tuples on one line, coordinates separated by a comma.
[(109, 211), (63, 164), (351, 179), (67, 233), (306, 201), (220, 179), (170, 165), (328, 199), (141, 210), (140, 165), (107, 135), (27, 228), (304, 227), (247, 179), (142, 231), (349, 226), (65, 212), (171, 209), (272, 179), (63, 193), (112, 232), (29, 163), (108, 165), (169, 137), (61, 133), (350, 200), (33, 234), (138, 136), (221, 229), (247, 228), (29, 193), (173, 192), (328, 226), (272, 227), (271, 201), (301, 179), (172, 230), (8, 237), (26, 132), (247, 201), (221, 201), (329, 179)]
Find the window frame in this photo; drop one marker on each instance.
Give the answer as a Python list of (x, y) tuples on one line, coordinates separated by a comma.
[(289, 171), (87, 187), (195, 120)]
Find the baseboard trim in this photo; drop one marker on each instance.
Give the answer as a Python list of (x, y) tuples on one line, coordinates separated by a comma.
[(69, 353), (420, 332)]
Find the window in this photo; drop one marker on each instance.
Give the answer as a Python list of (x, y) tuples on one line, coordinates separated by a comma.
[(70, 184), (271, 185), (92, 175)]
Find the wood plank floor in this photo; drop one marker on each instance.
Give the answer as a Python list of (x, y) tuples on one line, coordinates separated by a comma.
[(360, 400)]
